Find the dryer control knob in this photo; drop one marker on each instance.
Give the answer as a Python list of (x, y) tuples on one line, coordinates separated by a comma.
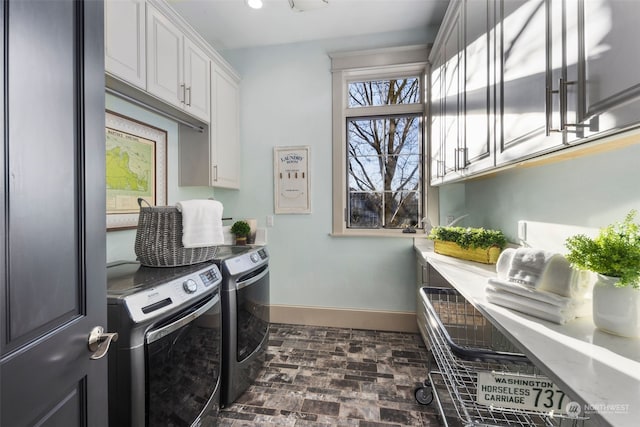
[(255, 257), (190, 286)]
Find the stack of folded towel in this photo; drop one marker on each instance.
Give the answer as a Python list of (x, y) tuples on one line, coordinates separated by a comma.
[(542, 284), (201, 223)]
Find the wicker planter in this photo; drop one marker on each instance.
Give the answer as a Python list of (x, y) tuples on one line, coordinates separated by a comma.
[(485, 256)]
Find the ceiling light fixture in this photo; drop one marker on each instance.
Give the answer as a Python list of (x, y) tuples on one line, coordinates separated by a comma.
[(303, 5), (254, 4)]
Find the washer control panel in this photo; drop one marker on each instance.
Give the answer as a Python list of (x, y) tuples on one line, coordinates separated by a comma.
[(156, 300), (247, 261)]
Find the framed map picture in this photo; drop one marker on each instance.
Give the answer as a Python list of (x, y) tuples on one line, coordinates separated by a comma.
[(136, 166), (291, 180)]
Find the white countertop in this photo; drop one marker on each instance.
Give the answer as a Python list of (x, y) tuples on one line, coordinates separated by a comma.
[(592, 367)]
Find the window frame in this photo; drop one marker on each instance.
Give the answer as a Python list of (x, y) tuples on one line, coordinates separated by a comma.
[(375, 65)]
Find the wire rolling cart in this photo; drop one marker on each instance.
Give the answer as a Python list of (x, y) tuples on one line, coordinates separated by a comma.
[(465, 345)]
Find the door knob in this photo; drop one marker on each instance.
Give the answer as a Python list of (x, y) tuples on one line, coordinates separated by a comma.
[(99, 342)]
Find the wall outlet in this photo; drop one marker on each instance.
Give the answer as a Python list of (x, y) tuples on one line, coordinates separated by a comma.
[(269, 220)]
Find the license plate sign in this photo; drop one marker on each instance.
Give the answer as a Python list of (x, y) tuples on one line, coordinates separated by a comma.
[(520, 392)]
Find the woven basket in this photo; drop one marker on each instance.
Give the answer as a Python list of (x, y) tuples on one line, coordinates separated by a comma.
[(485, 256), (159, 239)]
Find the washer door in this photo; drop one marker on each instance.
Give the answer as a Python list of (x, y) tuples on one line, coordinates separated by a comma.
[(183, 365), (252, 298)]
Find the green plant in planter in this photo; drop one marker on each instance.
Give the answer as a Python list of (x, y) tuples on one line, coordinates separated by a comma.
[(614, 252), (241, 228), (467, 237)]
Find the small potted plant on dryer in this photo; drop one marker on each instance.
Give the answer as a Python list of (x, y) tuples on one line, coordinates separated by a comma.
[(614, 255), (241, 229)]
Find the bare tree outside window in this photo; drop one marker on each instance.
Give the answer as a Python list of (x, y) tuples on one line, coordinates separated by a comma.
[(384, 153)]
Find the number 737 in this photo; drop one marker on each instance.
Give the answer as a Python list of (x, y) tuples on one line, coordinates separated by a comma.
[(546, 397)]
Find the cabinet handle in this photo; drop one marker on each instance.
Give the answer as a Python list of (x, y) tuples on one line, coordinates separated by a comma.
[(215, 173), (562, 87), (548, 110), (188, 90), (182, 89), (563, 106), (465, 157)]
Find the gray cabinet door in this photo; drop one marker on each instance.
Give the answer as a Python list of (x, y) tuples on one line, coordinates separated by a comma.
[(523, 81), (53, 276), (603, 91)]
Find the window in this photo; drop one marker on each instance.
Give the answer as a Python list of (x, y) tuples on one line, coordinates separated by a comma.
[(378, 145), (384, 156)]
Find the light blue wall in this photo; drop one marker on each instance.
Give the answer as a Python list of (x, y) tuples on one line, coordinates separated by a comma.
[(589, 191), (120, 243), (286, 100)]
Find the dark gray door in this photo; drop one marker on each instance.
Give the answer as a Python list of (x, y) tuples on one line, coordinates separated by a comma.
[(52, 213)]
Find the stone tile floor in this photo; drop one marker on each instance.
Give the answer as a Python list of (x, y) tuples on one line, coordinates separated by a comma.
[(318, 376)]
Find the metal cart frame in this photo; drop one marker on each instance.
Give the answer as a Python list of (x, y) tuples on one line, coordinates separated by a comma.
[(464, 343)]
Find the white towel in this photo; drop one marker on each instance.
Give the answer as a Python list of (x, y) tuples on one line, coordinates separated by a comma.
[(528, 265), (536, 308), (201, 223), (545, 271), (535, 294)]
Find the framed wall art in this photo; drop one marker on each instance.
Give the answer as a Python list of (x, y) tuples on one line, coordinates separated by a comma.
[(291, 180), (136, 166)]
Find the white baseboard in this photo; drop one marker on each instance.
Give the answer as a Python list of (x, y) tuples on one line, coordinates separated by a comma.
[(397, 321)]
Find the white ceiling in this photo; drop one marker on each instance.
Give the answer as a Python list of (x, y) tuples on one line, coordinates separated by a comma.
[(231, 24)]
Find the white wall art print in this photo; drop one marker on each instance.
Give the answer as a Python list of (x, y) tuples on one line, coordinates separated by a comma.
[(291, 180)]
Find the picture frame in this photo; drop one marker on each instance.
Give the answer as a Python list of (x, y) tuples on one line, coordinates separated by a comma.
[(292, 185), (136, 166)]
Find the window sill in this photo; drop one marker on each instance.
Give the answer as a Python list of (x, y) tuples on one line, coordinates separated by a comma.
[(378, 233)]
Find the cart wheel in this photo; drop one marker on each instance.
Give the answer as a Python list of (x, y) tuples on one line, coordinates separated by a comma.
[(424, 396)]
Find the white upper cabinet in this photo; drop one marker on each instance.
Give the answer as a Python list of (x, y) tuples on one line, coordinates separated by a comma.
[(215, 162), (477, 152), (437, 118), (164, 54), (462, 135), (602, 86), (516, 79), (225, 128), (446, 99), (124, 39), (177, 70), (197, 79), (525, 119)]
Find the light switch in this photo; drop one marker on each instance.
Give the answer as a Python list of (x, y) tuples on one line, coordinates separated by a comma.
[(522, 230), (269, 220)]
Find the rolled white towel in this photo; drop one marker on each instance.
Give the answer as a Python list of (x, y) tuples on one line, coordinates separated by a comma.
[(528, 265), (503, 265), (543, 270), (201, 223)]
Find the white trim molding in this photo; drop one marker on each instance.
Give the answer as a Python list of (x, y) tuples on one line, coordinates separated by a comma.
[(396, 321), (372, 64)]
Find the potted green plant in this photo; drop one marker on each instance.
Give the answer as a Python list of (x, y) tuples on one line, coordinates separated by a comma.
[(474, 244), (241, 229), (614, 255)]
